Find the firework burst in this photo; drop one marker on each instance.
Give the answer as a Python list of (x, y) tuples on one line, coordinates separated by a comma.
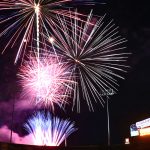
[(48, 130), (46, 81), (26, 19), (95, 52)]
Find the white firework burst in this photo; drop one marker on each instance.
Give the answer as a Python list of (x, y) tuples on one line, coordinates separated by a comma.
[(95, 52)]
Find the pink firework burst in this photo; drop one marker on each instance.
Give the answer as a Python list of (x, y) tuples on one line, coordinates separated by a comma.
[(46, 81)]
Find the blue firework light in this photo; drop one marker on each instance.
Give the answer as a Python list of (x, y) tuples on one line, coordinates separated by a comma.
[(48, 130)]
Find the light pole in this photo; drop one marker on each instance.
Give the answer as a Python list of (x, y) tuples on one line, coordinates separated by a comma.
[(107, 93), (108, 123)]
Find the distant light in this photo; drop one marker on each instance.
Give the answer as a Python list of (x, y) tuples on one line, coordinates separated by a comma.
[(77, 61), (51, 39), (127, 141), (25, 40), (36, 8)]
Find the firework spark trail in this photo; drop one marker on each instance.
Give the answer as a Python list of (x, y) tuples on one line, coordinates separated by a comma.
[(48, 130), (23, 14), (46, 81), (21, 18), (95, 52)]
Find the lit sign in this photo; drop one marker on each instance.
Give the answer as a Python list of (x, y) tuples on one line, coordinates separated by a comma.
[(143, 123), (134, 133), (133, 130), (145, 131)]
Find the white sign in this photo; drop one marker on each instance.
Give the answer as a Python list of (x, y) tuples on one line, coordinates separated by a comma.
[(143, 123)]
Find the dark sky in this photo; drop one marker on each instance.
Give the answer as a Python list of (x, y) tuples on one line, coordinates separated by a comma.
[(130, 104)]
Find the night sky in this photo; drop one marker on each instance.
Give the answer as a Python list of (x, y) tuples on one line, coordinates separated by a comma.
[(129, 105)]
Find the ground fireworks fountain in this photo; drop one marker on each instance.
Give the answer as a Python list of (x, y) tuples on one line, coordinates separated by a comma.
[(48, 130)]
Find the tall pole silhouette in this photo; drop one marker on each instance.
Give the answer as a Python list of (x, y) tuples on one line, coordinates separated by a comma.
[(107, 93)]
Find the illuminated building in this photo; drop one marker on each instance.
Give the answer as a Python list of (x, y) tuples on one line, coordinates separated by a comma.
[(140, 128)]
